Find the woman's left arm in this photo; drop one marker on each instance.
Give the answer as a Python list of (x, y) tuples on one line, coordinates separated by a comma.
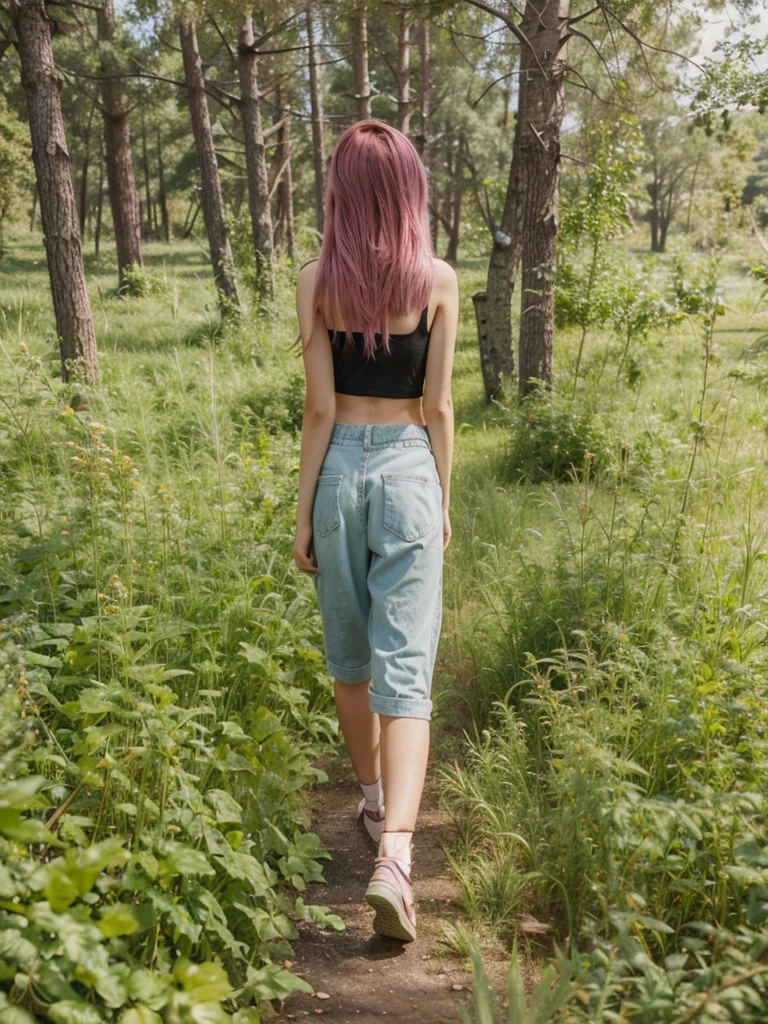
[(319, 412)]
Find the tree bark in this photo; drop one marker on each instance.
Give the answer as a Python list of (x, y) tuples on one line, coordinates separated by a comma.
[(161, 196), (210, 186), (83, 209), (147, 182), (123, 196), (424, 140), (359, 26), (99, 207), (58, 210), (404, 70), (255, 162), (493, 307), (454, 215), (318, 137), (540, 117), (284, 230)]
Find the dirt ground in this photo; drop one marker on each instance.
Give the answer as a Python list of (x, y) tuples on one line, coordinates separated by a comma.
[(367, 977)]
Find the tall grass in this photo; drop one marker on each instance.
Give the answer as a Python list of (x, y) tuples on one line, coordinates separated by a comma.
[(613, 783)]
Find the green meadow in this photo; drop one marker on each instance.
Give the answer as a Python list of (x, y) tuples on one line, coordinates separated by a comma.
[(600, 693)]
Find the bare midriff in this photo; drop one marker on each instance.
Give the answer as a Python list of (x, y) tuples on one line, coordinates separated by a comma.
[(363, 409)]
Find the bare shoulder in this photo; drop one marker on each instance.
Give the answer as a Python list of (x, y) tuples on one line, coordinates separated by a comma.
[(444, 277), (307, 274)]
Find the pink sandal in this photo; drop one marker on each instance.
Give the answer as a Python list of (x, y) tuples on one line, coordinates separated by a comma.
[(390, 893)]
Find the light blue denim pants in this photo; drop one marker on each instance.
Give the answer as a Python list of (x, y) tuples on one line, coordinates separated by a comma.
[(377, 526)]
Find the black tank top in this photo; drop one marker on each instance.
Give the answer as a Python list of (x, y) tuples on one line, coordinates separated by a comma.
[(398, 375)]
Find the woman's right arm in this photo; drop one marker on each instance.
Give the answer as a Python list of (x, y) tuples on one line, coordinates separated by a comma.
[(437, 403)]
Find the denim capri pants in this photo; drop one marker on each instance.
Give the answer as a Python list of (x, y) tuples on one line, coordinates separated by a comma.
[(378, 541)]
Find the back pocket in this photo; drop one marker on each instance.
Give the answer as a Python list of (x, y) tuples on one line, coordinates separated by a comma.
[(410, 508), (326, 512)]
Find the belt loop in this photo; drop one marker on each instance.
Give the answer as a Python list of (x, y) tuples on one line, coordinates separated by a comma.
[(367, 436)]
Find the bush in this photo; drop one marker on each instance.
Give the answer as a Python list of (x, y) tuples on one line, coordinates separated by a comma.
[(553, 438)]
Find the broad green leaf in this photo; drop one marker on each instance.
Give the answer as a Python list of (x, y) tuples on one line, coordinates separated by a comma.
[(119, 919), (226, 808), (71, 1012), (184, 860), (207, 982), (140, 1015)]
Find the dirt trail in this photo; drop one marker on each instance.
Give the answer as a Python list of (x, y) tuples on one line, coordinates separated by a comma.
[(367, 976)]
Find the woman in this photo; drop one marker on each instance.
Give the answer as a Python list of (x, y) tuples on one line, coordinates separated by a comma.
[(374, 478)]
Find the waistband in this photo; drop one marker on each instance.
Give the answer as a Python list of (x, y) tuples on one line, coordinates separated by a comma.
[(369, 435)]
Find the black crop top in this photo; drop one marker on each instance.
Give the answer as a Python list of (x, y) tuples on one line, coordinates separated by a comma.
[(398, 375)]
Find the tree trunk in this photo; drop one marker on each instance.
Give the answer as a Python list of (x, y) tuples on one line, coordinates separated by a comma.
[(84, 175), (454, 214), (255, 163), (654, 192), (147, 182), (99, 207), (540, 116), (497, 359), (359, 26), (283, 183), (424, 141), (210, 186), (123, 196), (404, 70), (161, 196), (58, 210), (318, 138), (33, 215)]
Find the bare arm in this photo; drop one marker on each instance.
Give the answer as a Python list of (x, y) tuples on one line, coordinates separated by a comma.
[(437, 404), (319, 410)]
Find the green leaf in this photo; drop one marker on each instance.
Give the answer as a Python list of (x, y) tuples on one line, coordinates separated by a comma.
[(207, 982), (119, 919), (140, 1015), (184, 860), (225, 807), (68, 1011), (19, 793), (25, 830)]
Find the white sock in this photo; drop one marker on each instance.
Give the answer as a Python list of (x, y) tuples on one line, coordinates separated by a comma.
[(374, 795)]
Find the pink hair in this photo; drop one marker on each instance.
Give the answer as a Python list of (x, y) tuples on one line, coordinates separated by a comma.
[(376, 254)]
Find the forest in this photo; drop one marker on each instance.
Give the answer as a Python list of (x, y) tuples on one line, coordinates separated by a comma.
[(598, 177)]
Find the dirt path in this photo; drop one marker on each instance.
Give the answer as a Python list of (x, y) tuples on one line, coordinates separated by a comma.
[(367, 976)]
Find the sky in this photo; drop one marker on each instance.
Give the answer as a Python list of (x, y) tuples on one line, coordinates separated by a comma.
[(716, 28)]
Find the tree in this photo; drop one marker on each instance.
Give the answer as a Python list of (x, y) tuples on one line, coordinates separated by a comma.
[(255, 160), (358, 22), (42, 84), (210, 186), (318, 135), (123, 197)]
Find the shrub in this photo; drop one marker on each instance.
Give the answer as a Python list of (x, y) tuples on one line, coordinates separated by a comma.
[(554, 437)]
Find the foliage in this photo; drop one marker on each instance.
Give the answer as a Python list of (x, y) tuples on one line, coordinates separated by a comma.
[(168, 674), (596, 212), (551, 438), (15, 162)]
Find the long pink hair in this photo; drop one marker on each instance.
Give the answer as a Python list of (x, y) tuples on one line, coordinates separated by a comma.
[(376, 254)]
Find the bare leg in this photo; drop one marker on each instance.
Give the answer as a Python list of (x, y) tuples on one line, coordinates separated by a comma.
[(404, 754), (360, 728)]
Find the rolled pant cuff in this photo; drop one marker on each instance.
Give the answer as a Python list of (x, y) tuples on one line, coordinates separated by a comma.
[(350, 675), (400, 707)]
